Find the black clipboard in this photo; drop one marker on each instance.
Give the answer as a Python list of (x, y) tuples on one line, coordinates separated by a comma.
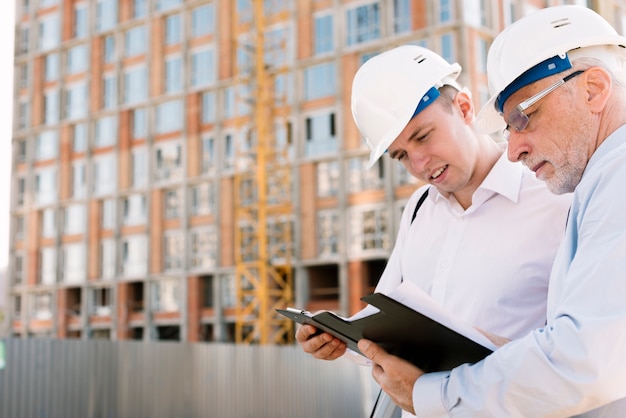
[(401, 331)]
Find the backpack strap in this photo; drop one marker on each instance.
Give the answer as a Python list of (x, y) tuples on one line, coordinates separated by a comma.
[(419, 204)]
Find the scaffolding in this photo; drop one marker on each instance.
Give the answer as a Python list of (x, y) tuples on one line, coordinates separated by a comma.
[(263, 195)]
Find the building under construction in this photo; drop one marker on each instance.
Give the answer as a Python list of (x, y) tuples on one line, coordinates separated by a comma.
[(182, 168)]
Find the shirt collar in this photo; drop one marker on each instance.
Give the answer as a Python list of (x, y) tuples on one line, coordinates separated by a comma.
[(504, 178), (612, 142)]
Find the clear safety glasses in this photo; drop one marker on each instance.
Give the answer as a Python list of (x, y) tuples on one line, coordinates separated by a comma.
[(518, 120)]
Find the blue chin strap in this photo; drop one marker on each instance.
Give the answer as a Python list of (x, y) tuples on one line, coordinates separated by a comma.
[(544, 69)]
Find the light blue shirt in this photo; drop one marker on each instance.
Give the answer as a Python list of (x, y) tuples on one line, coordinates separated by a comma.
[(576, 364)]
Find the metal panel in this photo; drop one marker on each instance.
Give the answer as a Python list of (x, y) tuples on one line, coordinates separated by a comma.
[(105, 379)]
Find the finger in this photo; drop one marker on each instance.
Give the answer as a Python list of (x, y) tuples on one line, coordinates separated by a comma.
[(305, 332)]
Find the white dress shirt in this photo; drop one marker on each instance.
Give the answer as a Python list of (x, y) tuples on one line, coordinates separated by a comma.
[(576, 364)]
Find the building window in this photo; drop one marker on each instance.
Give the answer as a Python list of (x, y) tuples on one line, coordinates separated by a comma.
[(401, 16), (173, 29), (202, 198), (140, 9), (109, 49), (101, 301), (74, 266), (278, 47), (229, 152), (41, 306), (51, 65), (48, 223), (402, 176), (80, 20), (18, 268), (280, 239), (47, 146), (203, 20), (47, 3), (207, 155), (46, 189), (173, 74), (140, 123), (172, 203), (135, 41), (48, 265), (173, 251), (135, 211), (17, 306), (109, 97), (481, 57), (166, 295), (19, 227), (163, 5), (107, 258), (369, 230), (49, 33), (21, 190), (79, 138), (328, 233), (203, 251), (360, 178), (134, 256), (139, 167), (24, 40), (74, 221), (106, 15), (323, 36), (77, 59), (202, 67), (447, 47), (320, 134), (108, 214), (228, 295), (169, 117), (208, 107), (135, 85), (363, 24), (168, 165), (104, 174), (22, 151), (51, 107), (79, 179), (445, 11), (76, 100), (23, 114), (327, 178), (319, 81), (106, 131)]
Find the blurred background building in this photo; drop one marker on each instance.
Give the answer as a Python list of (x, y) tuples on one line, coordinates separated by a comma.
[(181, 168)]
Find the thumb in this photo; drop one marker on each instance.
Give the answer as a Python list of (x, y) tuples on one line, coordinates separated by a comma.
[(371, 350)]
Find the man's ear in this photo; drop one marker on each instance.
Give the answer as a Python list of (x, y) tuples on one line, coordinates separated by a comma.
[(463, 101), (597, 82)]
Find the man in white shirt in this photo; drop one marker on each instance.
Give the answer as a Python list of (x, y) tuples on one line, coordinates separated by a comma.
[(558, 82), (465, 246)]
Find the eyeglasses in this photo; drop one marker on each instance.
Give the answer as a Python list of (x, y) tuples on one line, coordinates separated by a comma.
[(518, 120)]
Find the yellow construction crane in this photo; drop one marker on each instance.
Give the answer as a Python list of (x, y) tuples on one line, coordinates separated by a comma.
[(263, 203)]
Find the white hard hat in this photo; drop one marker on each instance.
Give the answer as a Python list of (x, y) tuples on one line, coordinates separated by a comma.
[(388, 88), (540, 45)]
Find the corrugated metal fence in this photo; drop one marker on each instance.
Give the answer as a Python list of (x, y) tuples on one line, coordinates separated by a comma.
[(98, 379)]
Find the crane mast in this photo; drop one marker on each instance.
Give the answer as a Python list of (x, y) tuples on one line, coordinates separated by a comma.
[(263, 200)]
